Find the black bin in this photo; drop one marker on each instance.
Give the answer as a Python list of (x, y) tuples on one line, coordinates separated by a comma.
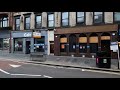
[(103, 59)]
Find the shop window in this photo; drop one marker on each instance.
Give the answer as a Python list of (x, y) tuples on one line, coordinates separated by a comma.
[(18, 44), (39, 44)]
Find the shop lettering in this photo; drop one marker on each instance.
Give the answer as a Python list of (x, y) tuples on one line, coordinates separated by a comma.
[(27, 35)]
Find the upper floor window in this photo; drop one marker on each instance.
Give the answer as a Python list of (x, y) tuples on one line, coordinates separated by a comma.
[(38, 21), (117, 16), (17, 23), (98, 17), (4, 22), (50, 19), (27, 22), (65, 18), (80, 17)]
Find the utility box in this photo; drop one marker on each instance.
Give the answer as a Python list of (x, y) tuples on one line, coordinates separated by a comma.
[(103, 59)]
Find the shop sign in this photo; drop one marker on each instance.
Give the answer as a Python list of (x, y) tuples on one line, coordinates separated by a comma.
[(36, 35), (22, 34)]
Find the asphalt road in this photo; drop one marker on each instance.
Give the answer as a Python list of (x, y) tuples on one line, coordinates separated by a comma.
[(23, 70)]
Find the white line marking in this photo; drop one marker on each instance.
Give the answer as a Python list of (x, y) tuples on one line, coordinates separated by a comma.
[(47, 76), (14, 66), (83, 70), (102, 72), (26, 75), (4, 71)]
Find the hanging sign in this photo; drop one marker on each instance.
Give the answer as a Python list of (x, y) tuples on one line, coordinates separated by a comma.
[(36, 35)]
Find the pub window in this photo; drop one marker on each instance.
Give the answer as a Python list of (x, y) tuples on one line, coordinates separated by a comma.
[(17, 23), (93, 41), (116, 16), (82, 43), (65, 19), (27, 22), (98, 17), (80, 18), (4, 22), (63, 43), (38, 21), (50, 19)]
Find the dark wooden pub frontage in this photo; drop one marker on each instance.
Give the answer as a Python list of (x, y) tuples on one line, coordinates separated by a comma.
[(85, 41)]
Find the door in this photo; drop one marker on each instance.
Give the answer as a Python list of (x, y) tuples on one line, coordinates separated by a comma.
[(105, 45), (27, 47), (51, 48)]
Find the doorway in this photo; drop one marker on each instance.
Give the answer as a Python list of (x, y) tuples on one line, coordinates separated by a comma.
[(51, 48), (27, 47), (105, 45)]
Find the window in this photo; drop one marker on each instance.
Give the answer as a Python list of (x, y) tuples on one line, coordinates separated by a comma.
[(98, 17), (117, 16), (27, 22), (65, 18), (63, 43), (17, 23), (4, 22), (50, 19), (39, 44), (18, 46), (80, 17), (38, 23)]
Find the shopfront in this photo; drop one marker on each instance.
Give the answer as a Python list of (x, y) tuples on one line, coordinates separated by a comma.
[(29, 41), (4, 39), (21, 41)]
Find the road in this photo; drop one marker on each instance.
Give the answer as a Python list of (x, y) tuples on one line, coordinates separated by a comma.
[(10, 69)]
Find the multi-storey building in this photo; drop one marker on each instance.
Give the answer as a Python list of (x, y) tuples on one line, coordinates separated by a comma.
[(65, 33), (5, 28), (84, 33), (32, 33)]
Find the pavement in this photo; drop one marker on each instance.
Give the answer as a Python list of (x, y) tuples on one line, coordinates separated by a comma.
[(63, 61)]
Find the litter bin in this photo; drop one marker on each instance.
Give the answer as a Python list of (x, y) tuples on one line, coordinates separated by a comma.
[(103, 59)]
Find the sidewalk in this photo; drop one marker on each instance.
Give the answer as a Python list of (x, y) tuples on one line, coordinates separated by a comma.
[(64, 61)]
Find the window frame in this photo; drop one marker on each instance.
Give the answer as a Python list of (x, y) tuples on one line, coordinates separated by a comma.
[(62, 19), (27, 16), (78, 23), (2, 22), (103, 22), (114, 18), (15, 18), (36, 20), (49, 13)]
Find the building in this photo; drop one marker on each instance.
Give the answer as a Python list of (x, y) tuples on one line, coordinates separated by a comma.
[(84, 33), (33, 32), (5, 29)]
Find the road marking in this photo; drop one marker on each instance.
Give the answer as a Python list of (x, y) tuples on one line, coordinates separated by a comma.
[(14, 66), (83, 70), (4, 71), (102, 72), (47, 76), (26, 75)]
